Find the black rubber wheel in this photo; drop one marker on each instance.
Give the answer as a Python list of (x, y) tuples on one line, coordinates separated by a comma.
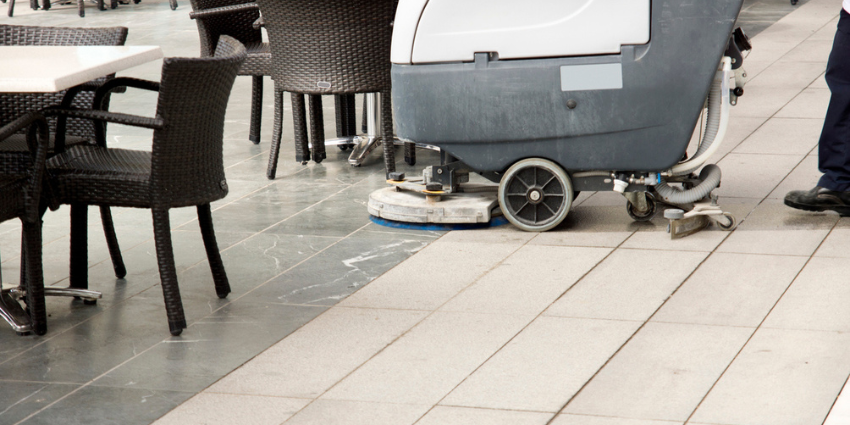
[(535, 195), (646, 215)]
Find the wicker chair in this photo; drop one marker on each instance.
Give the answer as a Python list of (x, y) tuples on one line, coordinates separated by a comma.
[(46, 6), (77, 131), (325, 47), (239, 19), (184, 168), (20, 190)]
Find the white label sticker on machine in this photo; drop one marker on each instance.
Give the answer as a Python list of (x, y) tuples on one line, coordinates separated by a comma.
[(604, 76)]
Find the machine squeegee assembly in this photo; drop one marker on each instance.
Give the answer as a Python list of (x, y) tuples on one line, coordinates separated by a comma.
[(549, 98)]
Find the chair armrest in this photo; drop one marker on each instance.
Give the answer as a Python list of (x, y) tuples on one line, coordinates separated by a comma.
[(100, 118), (102, 91), (224, 10)]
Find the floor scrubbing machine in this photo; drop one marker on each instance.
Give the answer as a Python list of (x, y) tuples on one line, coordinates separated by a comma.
[(548, 98)]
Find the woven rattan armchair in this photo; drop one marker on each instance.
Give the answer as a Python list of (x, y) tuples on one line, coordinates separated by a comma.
[(338, 47), (184, 168), (236, 18), (77, 131), (240, 20), (20, 192)]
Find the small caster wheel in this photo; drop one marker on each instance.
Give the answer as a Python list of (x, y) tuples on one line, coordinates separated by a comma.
[(27, 333), (535, 194), (647, 215), (89, 301), (730, 224)]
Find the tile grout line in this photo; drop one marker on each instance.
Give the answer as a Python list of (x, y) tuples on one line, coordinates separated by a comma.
[(758, 327), (90, 382), (430, 314)]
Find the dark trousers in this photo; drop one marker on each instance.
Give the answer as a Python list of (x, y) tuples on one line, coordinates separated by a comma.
[(834, 144)]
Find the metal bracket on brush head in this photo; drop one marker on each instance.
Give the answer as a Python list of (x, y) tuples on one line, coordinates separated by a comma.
[(704, 212)]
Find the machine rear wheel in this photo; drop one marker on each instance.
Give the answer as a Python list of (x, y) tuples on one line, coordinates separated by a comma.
[(535, 194)]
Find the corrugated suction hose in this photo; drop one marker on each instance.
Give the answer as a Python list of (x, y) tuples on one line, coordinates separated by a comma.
[(709, 180)]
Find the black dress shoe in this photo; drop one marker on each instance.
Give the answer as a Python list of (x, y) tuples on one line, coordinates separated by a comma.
[(819, 199)]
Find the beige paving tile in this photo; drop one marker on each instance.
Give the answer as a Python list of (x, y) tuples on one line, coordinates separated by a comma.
[(628, 285), (819, 83), (658, 239), (754, 175), (500, 234), (811, 103), (835, 245), (340, 412), (318, 355), (602, 420), (731, 290), (528, 281), (804, 177), (764, 101), (446, 415), (812, 50), (662, 373), (785, 136), (738, 130), (432, 276), (786, 75), (430, 360), (544, 366), (817, 300), (208, 409), (567, 237), (781, 377), (840, 412), (773, 228)]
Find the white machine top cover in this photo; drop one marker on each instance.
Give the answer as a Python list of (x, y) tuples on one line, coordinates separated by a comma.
[(428, 31)]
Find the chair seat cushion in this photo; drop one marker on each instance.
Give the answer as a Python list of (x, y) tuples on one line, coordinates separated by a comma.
[(259, 60), (95, 175)]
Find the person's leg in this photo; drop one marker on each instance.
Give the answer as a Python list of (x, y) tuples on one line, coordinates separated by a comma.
[(834, 144), (833, 189)]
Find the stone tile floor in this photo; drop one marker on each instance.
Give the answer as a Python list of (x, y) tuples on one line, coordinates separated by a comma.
[(334, 319)]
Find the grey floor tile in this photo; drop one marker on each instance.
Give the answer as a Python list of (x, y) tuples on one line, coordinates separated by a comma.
[(90, 405), (340, 270), (754, 175), (781, 377), (662, 373), (21, 399), (211, 348), (794, 135)]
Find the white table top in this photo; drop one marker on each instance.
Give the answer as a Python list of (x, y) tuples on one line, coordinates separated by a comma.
[(39, 69)]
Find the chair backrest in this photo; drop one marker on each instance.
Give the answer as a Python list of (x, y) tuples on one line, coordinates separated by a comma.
[(238, 25), (13, 105), (187, 167), (330, 46)]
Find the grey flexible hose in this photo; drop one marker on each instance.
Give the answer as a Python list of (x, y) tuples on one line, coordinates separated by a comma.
[(712, 123), (709, 180)]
